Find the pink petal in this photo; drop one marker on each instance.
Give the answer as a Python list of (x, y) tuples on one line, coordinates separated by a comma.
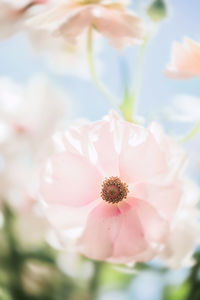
[(164, 198), (185, 61), (141, 156), (155, 228), (122, 28), (105, 146), (52, 18), (130, 240), (112, 231), (97, 142), (101, 230), (70, 180), (76, 24), (62, 217)]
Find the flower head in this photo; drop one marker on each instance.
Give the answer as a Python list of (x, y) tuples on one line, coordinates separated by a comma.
[(117, 185), (72, 19), (185, 61)]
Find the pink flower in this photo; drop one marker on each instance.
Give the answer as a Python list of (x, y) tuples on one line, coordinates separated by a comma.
[(71, 20), (185, 61), (13, 13), (117, 185)]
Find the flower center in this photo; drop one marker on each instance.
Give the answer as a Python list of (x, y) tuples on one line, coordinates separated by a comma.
[(113, 190)]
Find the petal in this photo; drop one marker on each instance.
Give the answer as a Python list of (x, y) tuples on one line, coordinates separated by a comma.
[(101, 230), (182, 242), (97, 142), (50, 19), (76, 24), (141, 156), (130, 240), (106, 149), (112, 231), (122, 28), (66, 217), (154, 227), (164, 198), (185, 61), (71, 180)]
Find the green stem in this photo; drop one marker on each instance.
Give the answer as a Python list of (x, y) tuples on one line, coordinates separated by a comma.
[(99, 85), (14, 263), (135, 95), (191, 134), (94, 283), (129, 105)]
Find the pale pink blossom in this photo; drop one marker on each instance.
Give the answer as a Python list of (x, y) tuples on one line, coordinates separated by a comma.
[(71, 19), (185, 60), (13, 13), (115, 187), (29, 114)]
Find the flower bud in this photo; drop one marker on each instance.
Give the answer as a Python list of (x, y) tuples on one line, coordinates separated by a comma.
[(157, 10)]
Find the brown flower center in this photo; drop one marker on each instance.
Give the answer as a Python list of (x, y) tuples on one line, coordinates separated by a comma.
[(113, 190)]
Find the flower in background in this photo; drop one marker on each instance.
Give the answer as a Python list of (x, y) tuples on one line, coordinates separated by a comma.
[(28, 117), (115, 187), (13, 13), (185, 232), (185, 61), (32, 111), (72, 19)]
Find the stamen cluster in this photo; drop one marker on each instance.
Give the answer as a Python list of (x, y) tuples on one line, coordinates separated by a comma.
[(114, 190)]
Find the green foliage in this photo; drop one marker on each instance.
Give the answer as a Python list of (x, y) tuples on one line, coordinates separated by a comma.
[(114, 278), (176, 292)]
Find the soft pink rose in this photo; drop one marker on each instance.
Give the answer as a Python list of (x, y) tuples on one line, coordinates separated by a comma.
[(71, 19), (116, 184), (185, 61)]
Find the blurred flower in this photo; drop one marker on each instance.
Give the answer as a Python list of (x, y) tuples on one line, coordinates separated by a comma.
[(31, 112), (28, 117), (71, 19), (185, 61), (13, 13), (185, 232), (115, 186)]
